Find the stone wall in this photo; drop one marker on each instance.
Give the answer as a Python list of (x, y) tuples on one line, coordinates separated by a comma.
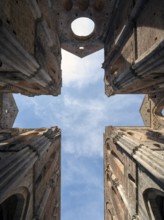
[(134, 49), (133, 156), (133, 173), (30, 173), (30, 52)]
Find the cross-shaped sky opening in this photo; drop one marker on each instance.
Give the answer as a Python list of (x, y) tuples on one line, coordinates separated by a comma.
[(82, 111)]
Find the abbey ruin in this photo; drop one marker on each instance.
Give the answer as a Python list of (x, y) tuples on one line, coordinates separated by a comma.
[(32, 34)]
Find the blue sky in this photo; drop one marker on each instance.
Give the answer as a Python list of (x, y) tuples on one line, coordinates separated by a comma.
[(82, 111)]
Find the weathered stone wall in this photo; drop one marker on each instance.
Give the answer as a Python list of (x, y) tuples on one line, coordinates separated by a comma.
[(30, 171), (133, 164), (30, 52), (134, 59), (133, 156)]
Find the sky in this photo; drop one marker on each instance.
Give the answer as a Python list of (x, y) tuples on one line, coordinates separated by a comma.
[(81, 111)]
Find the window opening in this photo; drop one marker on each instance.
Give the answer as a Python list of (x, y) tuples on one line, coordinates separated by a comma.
[(12, 208), (83, 27)]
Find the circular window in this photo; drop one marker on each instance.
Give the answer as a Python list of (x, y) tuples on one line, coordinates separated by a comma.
[(82, 27)]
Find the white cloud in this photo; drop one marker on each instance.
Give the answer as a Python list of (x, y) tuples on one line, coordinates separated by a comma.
[(75, 166), (79, 72), (84, 105), (83, 181), (82, 120)]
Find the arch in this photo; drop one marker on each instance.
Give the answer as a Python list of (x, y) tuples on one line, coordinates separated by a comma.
[(19, 198), (12, 207), (118, 161), (108, 180), (154, 202)]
